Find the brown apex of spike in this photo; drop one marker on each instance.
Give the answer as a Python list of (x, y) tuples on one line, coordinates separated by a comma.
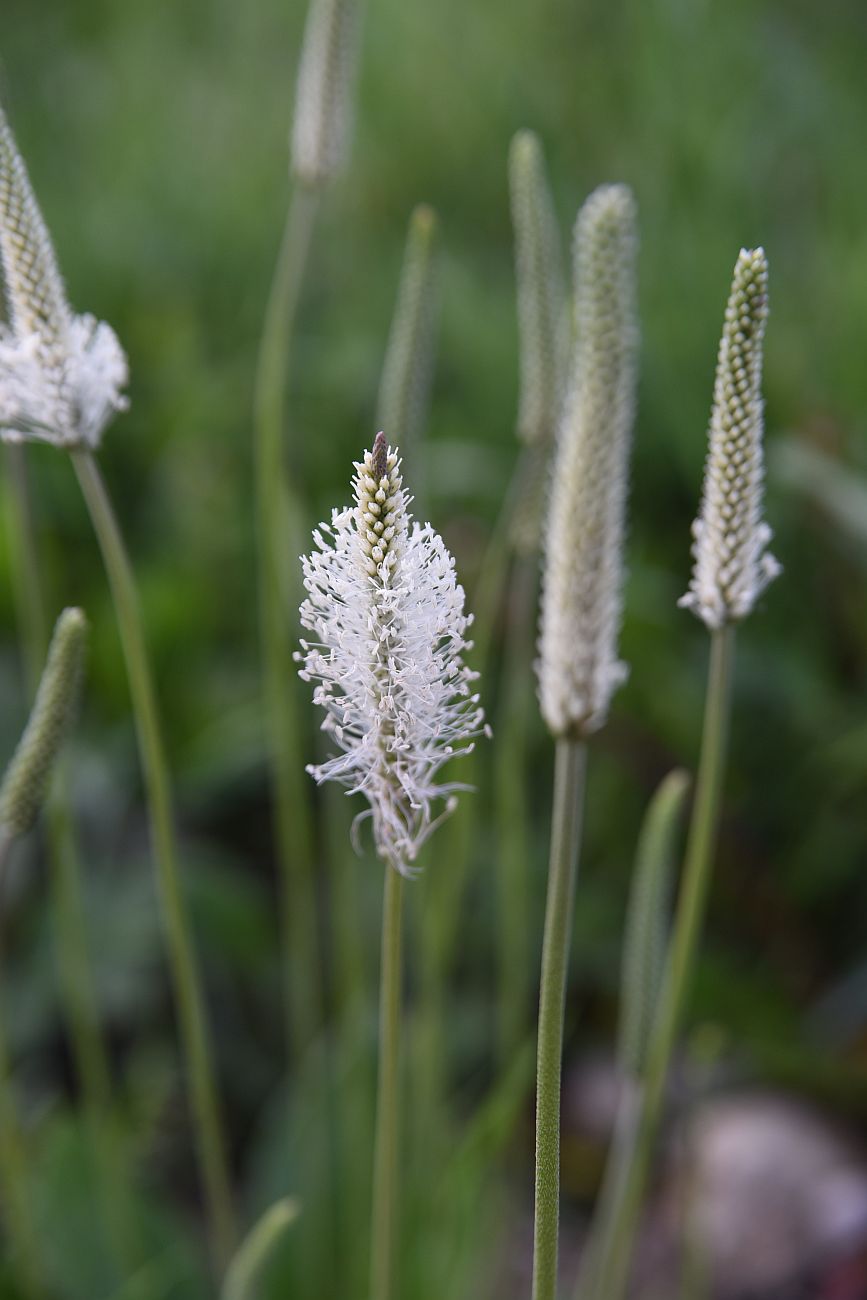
[(380, 456)]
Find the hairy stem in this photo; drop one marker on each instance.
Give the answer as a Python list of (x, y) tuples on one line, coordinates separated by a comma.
[(385, 1163), (186, 980), (569, 776)]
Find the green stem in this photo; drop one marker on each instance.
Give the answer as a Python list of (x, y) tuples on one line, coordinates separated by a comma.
[(26, 575), (184, 969), (77, 991), (20, 1224), (511, 817), (616, 1252), (355, 1080), (278, 527), (569, 777), (385, 1162)]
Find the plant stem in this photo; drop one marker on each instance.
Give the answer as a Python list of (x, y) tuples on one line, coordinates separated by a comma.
[(569, 777), (184, 969), (77, 991), (385, 1164), (278, 512), (20, 1224), (26, 575), (511, 816), (616, 1251)]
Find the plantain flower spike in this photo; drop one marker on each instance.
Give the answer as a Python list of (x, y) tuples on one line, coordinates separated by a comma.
[(389, 625), (543, 331), (542, 310), (732, 566), (404, 389), (325, 89), (25, 782), (61, 375), (583, 572)]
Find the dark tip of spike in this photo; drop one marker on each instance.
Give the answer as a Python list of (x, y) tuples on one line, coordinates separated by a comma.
[(380, 456)]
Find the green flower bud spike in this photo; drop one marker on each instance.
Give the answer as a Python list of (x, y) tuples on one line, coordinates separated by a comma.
[(542, 309), (25, 783), (543, 332)]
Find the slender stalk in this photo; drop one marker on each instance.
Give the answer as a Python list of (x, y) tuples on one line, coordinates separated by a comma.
[(511, 818), (19, 1221), (26, 575), (569, 777), (184, 969), (78, 995), (354, 1080), (616, 1250), (385, 1166), (278, 510)]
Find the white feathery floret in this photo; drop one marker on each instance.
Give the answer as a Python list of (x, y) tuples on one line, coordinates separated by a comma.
[(732, 566), (61, 375), (388, 619), (583, 575), (322, 125)]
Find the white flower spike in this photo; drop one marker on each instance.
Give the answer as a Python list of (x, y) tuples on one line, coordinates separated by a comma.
[(582, 589), (61, 375), (732, 567), (388, 618)]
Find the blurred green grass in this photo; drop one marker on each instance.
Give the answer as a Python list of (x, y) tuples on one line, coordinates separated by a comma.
[(156, 137)]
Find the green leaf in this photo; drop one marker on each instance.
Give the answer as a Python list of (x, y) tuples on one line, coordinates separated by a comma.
[(647, 921), (242, 1274)]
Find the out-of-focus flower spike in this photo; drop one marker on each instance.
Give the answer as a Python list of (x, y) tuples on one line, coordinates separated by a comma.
[(25, 782), (543, 331), (325, 90), (404, 389), (583, 573), (732, 565), (542, 298)]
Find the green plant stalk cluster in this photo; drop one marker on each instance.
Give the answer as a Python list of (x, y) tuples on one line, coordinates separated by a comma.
[(67, 890), (195, 1038), (644, 948), (616, 1249), (278, 519)]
